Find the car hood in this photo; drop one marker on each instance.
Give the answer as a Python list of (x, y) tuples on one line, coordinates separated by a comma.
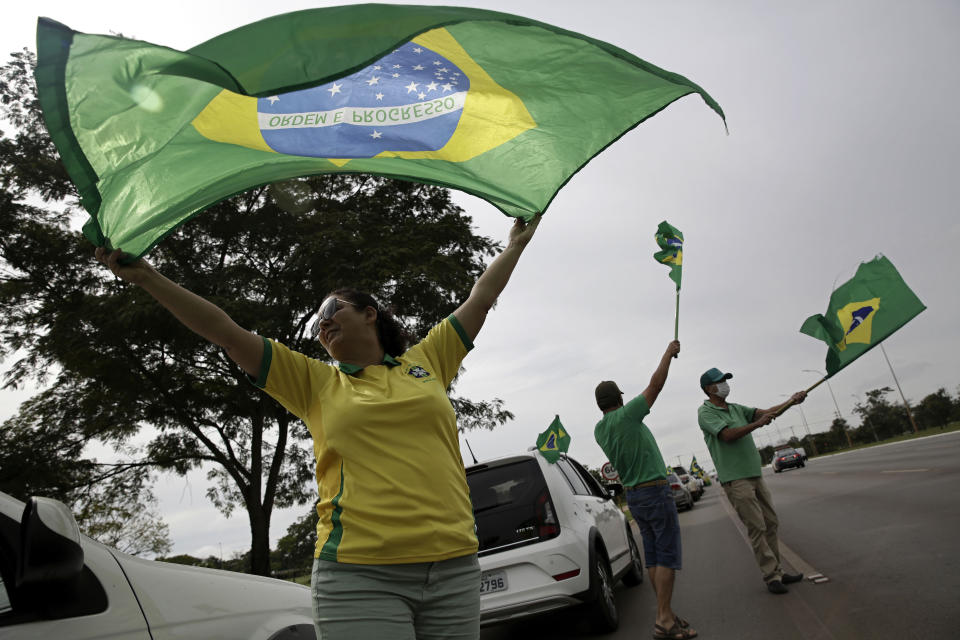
[(213, 603)]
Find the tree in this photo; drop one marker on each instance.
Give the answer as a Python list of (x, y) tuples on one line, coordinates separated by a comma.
[(294, 552), (838, 430), (120, 366), (935, 410), (882, 417), (111, 503)]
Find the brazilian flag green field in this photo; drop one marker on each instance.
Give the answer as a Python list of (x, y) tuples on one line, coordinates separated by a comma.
[(496, 105)]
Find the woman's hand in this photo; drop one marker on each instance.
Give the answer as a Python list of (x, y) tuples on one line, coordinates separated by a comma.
[(135, 272), (521, 232)]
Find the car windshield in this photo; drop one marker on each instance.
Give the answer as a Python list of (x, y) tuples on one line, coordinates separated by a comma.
[(785, 452)]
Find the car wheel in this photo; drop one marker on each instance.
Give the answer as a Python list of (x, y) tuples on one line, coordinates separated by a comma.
[(634, 574), (604, 617)]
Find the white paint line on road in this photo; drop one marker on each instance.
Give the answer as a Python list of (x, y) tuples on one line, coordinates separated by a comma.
[(905, 471)]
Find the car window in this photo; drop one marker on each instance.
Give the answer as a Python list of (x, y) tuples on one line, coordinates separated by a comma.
[(592, 485), (576, 482), (508, 502), (4, 599)]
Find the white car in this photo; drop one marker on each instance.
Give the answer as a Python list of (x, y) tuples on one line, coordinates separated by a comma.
[(57, 583), (550, 537)]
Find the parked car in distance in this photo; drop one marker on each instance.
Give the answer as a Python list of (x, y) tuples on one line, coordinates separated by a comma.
[(57, 583), (688, 480), (786, 458), (802, 452), (550, 537), (681, 495)]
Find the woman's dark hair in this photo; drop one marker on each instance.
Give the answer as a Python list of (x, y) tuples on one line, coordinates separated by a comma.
[(393, 336)]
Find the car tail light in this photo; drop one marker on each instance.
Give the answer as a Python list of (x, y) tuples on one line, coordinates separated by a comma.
[(547, 525), (676, 486), (566, 575)]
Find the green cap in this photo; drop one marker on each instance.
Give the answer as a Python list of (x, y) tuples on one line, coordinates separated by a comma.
[(713, 375)]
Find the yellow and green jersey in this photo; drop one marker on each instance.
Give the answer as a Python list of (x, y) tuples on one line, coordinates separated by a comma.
[(390, 476)]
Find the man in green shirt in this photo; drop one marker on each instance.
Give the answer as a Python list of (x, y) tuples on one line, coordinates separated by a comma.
[(635, 455), (726, 429)]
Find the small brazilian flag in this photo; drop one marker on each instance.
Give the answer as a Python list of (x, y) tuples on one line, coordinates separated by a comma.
[(695, 468), (554, 441), (862, 312), (496, 105), (670, 240)]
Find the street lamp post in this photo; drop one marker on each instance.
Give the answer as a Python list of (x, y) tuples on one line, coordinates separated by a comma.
[(835, 405), (806, 425)]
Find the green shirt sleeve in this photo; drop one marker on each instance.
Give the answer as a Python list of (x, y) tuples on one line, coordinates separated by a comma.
[(710, 422), (637, 409)]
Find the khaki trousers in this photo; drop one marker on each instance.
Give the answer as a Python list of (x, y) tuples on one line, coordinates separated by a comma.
[(752, 502)]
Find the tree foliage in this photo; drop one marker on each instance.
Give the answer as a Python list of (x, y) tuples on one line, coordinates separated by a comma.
[(116, 365), (40, 455)]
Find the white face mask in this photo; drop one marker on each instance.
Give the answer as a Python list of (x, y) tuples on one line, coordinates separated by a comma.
[(723, 389)]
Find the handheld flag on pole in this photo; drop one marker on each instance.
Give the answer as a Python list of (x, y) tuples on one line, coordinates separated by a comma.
[(862, 312), (554, 441), (695, 468), (496, 105), (670, 240)]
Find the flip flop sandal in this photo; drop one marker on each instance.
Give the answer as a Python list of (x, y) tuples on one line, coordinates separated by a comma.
[(676, 632)]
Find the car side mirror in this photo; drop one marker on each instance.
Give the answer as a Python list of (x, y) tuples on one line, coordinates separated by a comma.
[(50, 549), (613, 489)]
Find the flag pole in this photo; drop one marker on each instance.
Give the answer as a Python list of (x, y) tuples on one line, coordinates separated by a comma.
[(790, 403), (676, 319), (909, 413)]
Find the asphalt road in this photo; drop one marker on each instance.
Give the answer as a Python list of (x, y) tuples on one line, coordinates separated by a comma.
[(881, 523)]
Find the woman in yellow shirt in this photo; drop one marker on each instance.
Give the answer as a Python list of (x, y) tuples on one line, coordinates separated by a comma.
[(396, 549)]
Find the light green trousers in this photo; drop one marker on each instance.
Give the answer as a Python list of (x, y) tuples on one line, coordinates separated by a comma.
[(422, 601), (752, 502)]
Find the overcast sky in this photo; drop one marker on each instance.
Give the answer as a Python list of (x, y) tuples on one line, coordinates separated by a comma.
[(843, 144)]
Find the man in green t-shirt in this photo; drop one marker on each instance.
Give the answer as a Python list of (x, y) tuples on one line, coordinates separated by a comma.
[(726, 429), (634, 453)]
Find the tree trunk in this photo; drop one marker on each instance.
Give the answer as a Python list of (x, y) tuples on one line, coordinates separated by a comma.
[(259, 538)]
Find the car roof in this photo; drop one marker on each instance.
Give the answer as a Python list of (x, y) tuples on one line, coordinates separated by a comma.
[(500, 462)]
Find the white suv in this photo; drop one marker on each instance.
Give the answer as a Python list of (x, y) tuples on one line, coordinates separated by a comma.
[(550, 536)]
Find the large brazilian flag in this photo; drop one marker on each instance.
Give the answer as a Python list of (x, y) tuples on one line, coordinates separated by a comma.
[(496, 105)]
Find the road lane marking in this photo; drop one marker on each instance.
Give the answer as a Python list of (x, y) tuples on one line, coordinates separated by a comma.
[(905, 471)]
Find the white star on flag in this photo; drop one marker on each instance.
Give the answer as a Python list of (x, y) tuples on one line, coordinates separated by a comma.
[(437, 62), (335, 89), (432, 86), (418, 67), (376, 134), (421, 95), (396, 75), (411, 87), (418, 50), (372, 81), (447, 87), (273, 99), (396, 66), (379, 96)]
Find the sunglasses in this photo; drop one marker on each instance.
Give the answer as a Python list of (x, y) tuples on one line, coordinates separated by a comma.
[(327, 310)]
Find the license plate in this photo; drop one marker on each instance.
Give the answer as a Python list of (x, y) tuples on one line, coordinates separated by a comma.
[(493, 581)]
